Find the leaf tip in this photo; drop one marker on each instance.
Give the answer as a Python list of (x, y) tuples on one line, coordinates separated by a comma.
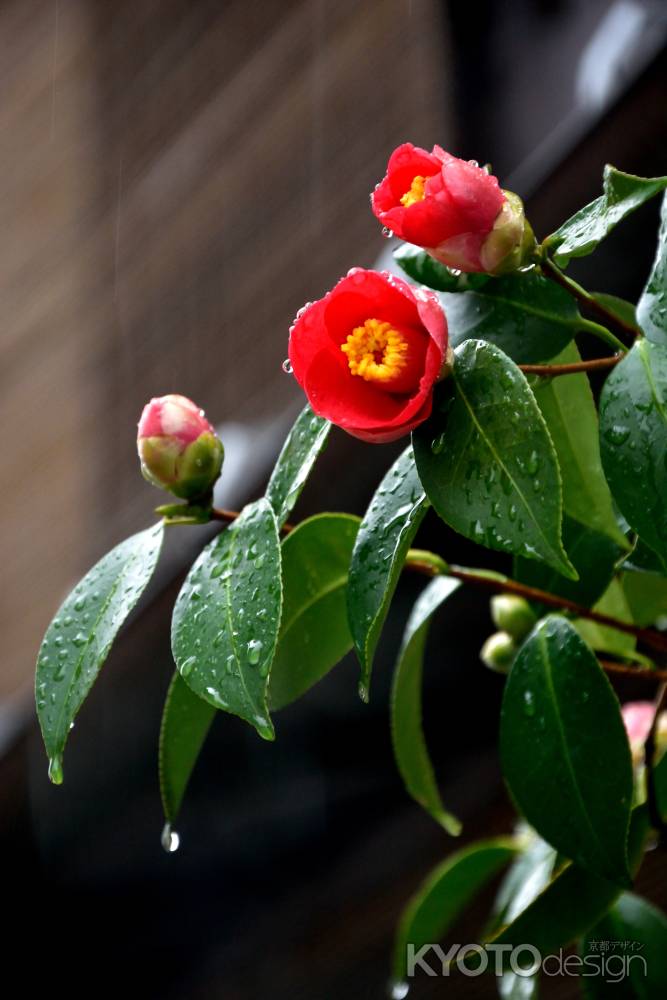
[(56, 769)]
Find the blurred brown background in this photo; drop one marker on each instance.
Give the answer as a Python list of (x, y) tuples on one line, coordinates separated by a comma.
[(177, 179)]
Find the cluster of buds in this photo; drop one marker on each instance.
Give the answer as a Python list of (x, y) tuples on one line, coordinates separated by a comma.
[(514, 618), (178, 448)]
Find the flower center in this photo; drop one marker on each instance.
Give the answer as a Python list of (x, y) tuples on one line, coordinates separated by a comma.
[(416, 192), (379, 353)]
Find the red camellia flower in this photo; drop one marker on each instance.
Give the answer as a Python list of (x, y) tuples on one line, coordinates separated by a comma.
[(368, 354), (453, 208)]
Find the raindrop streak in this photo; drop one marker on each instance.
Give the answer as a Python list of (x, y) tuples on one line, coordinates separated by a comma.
[(170, 840), (287, 366)]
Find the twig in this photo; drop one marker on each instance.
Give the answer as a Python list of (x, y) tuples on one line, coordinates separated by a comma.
[(550, 371), (586, 299)]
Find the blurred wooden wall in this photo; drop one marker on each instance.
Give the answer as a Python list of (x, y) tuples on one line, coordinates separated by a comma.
[(178, 178)]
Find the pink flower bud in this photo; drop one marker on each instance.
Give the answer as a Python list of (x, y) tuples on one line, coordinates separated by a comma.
[(454, 209), (178, 448), (638, 719)]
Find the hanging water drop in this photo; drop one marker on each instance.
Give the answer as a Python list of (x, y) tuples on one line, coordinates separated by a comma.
[(56, 770), (170, 840), (398, 991), (254, 651), (287, 366)]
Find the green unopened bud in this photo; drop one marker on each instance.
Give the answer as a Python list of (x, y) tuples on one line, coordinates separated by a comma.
[(498, 652), (178, 448), (512, 614), (511, 242)]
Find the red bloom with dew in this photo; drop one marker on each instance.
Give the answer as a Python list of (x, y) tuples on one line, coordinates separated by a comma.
[(369, 353), (453, 208)]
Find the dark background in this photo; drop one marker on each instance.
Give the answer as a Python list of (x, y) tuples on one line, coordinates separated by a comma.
[(178, 179)]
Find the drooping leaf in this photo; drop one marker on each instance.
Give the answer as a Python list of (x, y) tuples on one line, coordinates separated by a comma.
[(226, 618), (570, 413), (633, 440), (445, 893), (564, 749), (600, 637), (622, 194), (572, 902), (527, 316), (636, 932), (652, 306), (385, 535), (78, 640), (186, 720), (593, 555), (487, 462), (302, 445), (410, 748), (314, 633)]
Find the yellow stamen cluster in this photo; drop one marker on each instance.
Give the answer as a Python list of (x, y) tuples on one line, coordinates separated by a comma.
[(375, 351), (416, 192)]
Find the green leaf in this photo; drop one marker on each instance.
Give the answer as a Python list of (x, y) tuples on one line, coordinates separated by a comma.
[(639, 931), (445, 893), (527, 316), (570, 413), (642, 559), (622, 194), (646, 596), (572, 902), (488, 464), (528, 875), (421, 267), (564, 749), (633, 439), (226, 619), (623, 310), (303, 444), (78, 640), (314, 634), (186, 720), (410, 749), (593, 555), (609, 640), (652, 306), (385, 535)]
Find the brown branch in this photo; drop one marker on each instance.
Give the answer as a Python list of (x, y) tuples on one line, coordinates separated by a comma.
[(550, 371), (586, 299), (633, 670)]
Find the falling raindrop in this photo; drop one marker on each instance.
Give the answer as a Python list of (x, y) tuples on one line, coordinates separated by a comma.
[(170, 840), (398, 991)]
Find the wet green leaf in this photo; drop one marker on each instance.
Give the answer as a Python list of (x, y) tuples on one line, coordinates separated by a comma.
[(572, 902), (570, 413), (303, 444), (646, 596), (186, 720), (445, 893), (314, 634), (635, 932), (487, 462), (593, 555), (652, 306), (564, 749), (385, 535), (527, 316), (622, 194), (410, 748), (78, 640), (529, 874), (226, 618), (633, 440), (600, 637)]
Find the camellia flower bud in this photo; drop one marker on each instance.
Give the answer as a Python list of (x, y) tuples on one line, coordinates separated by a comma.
[(454, 209), (512, 614), (498, 652), (178, 448)]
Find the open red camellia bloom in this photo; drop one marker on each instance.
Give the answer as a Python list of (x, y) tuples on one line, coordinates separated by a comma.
[(451, 207), (368, 354)]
